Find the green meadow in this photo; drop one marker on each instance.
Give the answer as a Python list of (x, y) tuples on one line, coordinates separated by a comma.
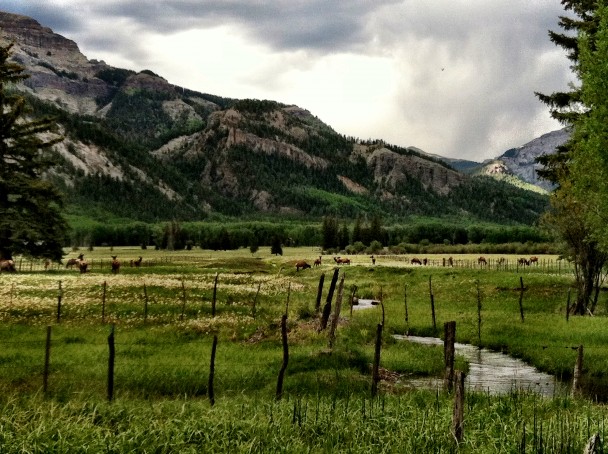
[(163, 320)]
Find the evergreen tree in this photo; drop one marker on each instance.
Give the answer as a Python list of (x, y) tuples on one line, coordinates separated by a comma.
[(30, 218), (275, 247), (357, 232), (344, 236), (331, 238)]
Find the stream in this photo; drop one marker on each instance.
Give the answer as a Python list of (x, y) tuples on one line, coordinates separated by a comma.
[(491, 372)]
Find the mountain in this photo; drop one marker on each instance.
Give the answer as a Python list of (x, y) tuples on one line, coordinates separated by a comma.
[(139, 147)]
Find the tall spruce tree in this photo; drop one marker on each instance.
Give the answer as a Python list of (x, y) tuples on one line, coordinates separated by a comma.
[(30, 220), (566, 215)]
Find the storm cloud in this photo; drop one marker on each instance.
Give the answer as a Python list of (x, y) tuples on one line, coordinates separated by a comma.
[(452, 77)]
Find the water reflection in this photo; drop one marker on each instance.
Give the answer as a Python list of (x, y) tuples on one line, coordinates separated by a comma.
[(492, 372)]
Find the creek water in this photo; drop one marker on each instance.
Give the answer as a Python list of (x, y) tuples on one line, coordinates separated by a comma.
[(491, 372)]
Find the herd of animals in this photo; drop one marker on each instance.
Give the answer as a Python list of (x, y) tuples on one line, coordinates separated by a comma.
[(303, 264), (80, 263), (83, 265)]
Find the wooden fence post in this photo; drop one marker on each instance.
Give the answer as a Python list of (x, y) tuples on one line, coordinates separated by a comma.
[(578, 373), (336, 317), (521, 298), (112, 351), (214, 295), (287, 302), (407, 317), (181, 317), (478, 313), (376, 365), (352, 297), (449, 338), (432, 304), (103, 303), (279, 393), (59, 298), (319, 292), (458, 415), (330, 295), (145, 303), (210, 391), (255, 300), (47, 360)]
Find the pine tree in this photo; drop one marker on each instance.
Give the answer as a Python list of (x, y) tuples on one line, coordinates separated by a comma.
[(30, 220)]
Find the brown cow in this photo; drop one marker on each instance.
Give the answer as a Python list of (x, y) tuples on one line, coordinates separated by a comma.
[(301, 264)]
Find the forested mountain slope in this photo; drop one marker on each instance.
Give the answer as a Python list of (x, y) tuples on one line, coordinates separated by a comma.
[(137, 146)]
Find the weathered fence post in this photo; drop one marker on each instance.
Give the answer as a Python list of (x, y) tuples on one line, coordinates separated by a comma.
[(214, 295), (103, 303), (145, 303), (432, 304), (578, 372), (449, 337), (210, 391), (319, 292), (47, 360), (59, 298), (287, 302), (458, 415), (336, 316), (521, 298), (111, 356), (330, 295), (376, 365), (594, 445), (478, 313), (279, 393), (255, 300), (181, 317)]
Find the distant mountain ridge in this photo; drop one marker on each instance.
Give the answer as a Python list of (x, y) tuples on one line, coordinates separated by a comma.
[(138, 146)]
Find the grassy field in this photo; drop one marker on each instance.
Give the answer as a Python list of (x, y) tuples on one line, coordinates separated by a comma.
[(161, 316)]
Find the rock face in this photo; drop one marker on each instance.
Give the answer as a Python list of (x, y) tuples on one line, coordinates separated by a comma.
[(521, 161)]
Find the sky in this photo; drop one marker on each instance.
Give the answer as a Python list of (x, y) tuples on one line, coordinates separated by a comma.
[(451, 77)]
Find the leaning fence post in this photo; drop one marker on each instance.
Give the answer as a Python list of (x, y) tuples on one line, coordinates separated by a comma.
[(212, 372), (47, 360), (578, 372), (449, 337), (376, 365), (111, 356), (279, 393), (458, 415), (330, 295), (336, 317), (319, 292)]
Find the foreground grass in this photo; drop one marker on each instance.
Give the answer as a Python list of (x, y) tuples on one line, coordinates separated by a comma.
[(163, 324)]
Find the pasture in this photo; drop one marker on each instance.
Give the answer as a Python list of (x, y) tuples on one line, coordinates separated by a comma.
[(163, 320)]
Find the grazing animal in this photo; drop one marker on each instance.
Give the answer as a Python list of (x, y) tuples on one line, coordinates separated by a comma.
[(83, 266), (76, 261), (451, 261), (47, 263), (523, 261), (482, 261), (317, 262), (301, 264), (342, 261), (533, 260), (115, 265), (7, 265), (501, 260), (373, 260), (416, 261), (425, 261)]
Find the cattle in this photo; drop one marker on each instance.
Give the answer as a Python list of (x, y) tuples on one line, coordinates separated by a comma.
[(301, 264)]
